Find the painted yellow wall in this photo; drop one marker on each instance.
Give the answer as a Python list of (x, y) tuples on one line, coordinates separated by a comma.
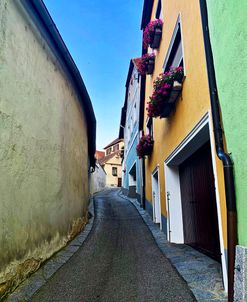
[(194, 101), (43, 150)]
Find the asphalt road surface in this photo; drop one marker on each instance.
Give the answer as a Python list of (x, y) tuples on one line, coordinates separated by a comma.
[(118, 262)]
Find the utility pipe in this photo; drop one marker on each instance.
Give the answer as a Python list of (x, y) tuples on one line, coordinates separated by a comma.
[(223, 156), (141, 125)]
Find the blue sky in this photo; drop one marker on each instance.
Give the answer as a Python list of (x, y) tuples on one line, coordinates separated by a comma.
[(102, 36)]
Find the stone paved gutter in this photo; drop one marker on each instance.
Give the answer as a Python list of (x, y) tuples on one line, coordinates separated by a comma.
[(202, 274), (28, 288)]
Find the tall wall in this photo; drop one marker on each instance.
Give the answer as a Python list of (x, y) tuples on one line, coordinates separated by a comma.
[(228, 34), (230, 52), (43, 149)]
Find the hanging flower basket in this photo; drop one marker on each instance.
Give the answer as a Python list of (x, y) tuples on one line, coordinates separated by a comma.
[(145, 64), (152, 34), (145, 146), (167, 88)]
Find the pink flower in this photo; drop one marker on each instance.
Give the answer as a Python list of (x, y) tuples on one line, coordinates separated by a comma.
[(150, 28)]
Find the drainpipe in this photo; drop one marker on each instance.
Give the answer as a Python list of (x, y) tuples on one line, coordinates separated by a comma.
[(222, 155), (141, 122), (144, 185)]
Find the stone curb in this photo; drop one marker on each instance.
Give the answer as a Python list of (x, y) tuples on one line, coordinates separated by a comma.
[(31, 285), (196, 269)]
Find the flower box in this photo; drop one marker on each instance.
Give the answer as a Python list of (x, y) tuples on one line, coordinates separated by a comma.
[(145, 146), (155, 42), (145, 64), (152, 34), (169, 105), (175, 92), (167, 89)]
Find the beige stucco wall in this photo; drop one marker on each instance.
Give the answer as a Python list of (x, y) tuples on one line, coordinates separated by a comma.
[(115, 161), (43, 150), (110, 179)]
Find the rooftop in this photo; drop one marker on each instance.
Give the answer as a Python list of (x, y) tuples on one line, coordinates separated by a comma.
[(117, 140)]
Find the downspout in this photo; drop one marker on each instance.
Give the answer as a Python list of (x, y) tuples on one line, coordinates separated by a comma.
[(144, 185), (223, 156), (141, 122)]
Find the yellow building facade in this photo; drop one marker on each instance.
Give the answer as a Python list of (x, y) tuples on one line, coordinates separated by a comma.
[(185, 137), (112, 163)]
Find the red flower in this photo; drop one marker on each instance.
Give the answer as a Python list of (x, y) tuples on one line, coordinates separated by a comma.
[(145, 146), (162, 87), (142, 63)]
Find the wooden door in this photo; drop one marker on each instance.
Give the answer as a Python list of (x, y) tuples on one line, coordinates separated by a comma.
[(200, 219), (119, 182)]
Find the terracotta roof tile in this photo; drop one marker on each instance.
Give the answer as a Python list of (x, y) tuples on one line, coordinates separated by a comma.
[(105, 159)]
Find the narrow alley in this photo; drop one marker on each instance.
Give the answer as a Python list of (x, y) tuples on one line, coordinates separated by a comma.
[(112, 263), (123, 145)]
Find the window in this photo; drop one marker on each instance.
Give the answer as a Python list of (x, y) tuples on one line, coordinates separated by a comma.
[(115, 148), (150, 127), (135, 114), (158, 10), (108, 151), (128, 134), (174, 55), (114, 171), (131, 123)]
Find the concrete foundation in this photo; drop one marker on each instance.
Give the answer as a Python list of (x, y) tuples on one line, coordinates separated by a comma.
[(132, 192), (240, 282)]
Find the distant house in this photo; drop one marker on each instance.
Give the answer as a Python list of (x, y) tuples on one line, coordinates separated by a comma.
[(99, 154), (47, 139), (98, 177), (112, 163)]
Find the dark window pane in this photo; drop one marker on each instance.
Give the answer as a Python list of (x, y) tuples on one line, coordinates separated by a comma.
[(158, 10)]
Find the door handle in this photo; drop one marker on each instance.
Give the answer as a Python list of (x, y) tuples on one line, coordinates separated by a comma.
[(192, 201)]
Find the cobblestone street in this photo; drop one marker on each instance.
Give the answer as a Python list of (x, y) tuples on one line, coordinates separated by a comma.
[(119, 261)]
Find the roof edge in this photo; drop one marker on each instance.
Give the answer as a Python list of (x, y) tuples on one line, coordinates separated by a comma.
[(114, 142), (146, 12)]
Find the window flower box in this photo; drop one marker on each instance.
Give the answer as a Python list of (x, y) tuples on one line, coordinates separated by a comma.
[(167, 89), (155, 42), (145, 64), (152, 34), (145, 146)]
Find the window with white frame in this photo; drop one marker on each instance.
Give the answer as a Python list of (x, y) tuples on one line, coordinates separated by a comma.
[(175, 56), (128, 134), (114, 171), (150, 126), (131, 124), (135, 113), (158, 13)]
